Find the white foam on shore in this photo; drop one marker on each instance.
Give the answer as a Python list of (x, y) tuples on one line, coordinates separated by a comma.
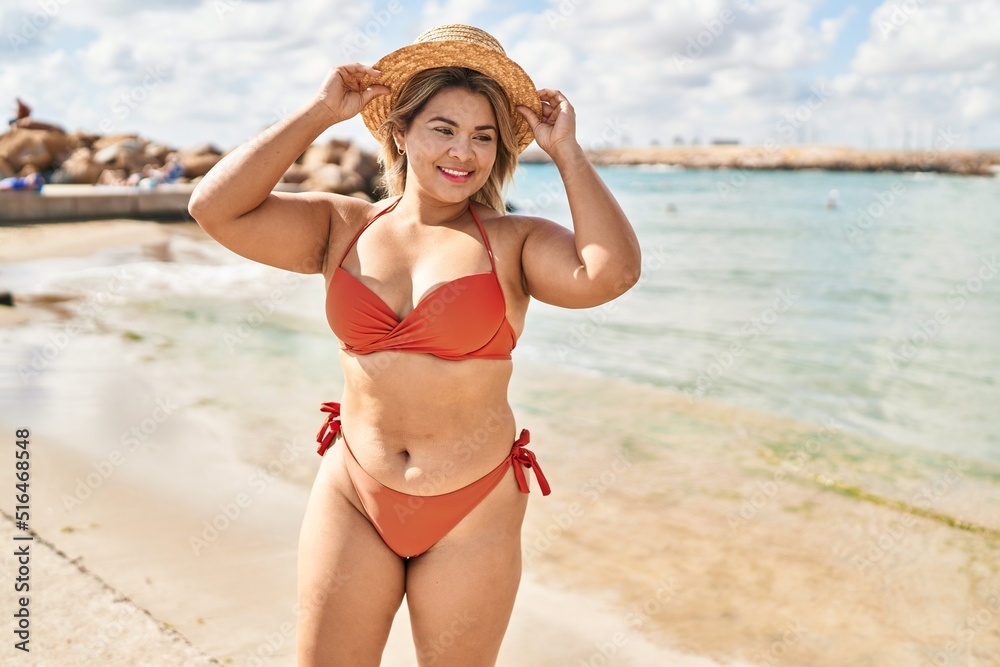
[(186, 269)]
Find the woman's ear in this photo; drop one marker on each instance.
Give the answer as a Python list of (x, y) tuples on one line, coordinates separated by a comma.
[(400, 140)]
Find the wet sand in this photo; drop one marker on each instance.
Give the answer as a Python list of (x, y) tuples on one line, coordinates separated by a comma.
[(77, 619), (679, 531)]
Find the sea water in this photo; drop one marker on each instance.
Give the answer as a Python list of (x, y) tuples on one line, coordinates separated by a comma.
[(871, 301)]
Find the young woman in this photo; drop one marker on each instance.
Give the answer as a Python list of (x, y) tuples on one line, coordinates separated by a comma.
[(427, 292)]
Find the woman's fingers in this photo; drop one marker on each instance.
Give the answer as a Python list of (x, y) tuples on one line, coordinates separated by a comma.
[(353, 76), (349, 87), (530, 116), (372, 92), (361, 70), (553, 103), (555, 126), (551, 94)]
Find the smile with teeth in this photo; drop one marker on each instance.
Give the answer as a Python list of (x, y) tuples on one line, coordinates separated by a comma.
[(455, 173)]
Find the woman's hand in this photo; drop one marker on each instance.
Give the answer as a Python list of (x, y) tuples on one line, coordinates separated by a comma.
[(344, 93), (555, 131)]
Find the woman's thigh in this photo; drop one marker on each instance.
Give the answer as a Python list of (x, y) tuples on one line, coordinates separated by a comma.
[(460, 592), (350, 584)]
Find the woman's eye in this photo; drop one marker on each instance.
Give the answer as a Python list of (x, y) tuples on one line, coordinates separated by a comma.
[(444, 130), (485, 138)]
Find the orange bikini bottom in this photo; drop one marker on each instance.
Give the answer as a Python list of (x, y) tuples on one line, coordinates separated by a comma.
[(408, 524)]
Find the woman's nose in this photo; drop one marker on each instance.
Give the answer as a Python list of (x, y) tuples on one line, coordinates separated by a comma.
[(461, 148)]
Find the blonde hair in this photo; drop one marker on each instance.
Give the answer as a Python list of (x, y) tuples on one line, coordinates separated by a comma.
[(414, 94)]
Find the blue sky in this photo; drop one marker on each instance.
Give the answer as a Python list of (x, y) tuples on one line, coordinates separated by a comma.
[(867, 73), (855, 33)]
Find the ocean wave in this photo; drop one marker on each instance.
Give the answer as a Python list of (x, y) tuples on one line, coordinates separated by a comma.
[(186, 268)]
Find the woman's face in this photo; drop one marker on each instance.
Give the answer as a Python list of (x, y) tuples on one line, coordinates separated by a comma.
[(451, 145)]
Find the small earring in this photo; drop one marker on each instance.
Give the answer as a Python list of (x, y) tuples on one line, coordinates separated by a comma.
[(401, 151)]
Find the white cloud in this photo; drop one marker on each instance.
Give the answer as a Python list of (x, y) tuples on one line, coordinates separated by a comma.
[(926, 64), (451, 11), (226, 68), (831, 29), (188, 72), (914, 37), (976, 103), (680, 68)]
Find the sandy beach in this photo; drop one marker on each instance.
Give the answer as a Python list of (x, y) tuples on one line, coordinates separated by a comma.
[(680, 531)]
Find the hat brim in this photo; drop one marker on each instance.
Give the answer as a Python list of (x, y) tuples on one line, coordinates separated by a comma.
[(397, 67)]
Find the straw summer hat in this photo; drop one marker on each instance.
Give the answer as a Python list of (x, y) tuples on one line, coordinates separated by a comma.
[(454, 45)]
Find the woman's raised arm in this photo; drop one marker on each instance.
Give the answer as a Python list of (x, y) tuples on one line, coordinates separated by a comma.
[(600, 259), (234, 202)]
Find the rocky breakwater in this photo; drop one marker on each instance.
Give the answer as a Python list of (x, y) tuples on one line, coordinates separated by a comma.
[(833, 158), (336, 166), (82, 158)]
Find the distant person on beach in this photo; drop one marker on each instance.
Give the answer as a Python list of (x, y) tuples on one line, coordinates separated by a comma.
[(22, 119), (427, 292), (147, 179), (831, 199), (29, 182), (151, 177), (23, 111)]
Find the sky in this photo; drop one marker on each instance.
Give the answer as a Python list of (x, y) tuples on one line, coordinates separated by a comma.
[(901, 74)]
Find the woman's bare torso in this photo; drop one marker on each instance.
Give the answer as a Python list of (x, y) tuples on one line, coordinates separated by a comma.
[(417, 423)]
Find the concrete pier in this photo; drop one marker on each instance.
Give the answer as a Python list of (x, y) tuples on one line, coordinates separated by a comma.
[(94, 202), (166, 202)]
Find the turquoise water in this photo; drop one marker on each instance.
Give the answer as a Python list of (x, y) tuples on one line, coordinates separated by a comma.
[(882, 313), (752, 293)]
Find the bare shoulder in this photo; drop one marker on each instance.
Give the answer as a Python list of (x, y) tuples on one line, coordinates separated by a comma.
[(511, 228), (347, 216), (352, 211), (512, 235)]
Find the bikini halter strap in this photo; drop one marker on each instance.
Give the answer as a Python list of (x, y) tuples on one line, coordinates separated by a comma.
[(486, 241), (367, 225)]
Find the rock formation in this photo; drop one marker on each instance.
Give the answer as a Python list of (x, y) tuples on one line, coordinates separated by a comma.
[(125, 159)]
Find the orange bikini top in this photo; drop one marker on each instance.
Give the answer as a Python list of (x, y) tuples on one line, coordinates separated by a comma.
[(462, 319)]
